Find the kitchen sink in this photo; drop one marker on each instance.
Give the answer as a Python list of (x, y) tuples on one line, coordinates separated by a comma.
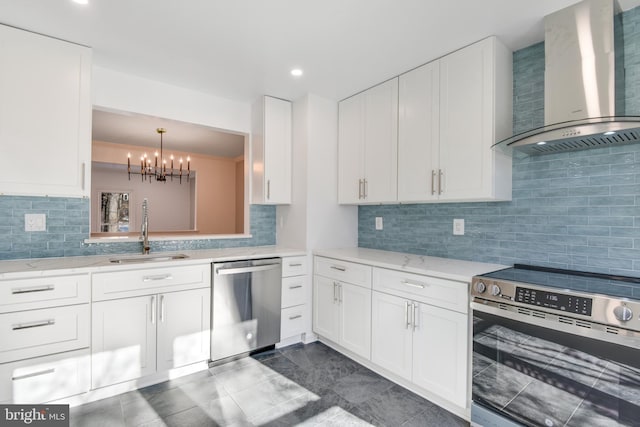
[(147, 258)]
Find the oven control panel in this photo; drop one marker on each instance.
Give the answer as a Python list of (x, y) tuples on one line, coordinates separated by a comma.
[(554, 300)]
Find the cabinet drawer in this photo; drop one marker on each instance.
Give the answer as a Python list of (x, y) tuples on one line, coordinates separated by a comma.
[(44, 379), (344, 271), (294, 291), (41, 292), (293, 321), (294, 266), (38, 332), (129, 283), (429, 290)]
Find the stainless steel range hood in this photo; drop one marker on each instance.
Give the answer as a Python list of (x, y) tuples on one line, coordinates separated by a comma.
[(580, 84)]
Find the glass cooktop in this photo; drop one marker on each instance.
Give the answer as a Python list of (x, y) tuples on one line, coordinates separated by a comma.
[(611, 285)]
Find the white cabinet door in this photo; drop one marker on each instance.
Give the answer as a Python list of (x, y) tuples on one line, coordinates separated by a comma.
[(470, 90), (391, 336), (418, 134), (184, 320), (351, 149), (355, 316), (326, 311), (271, 151), (381, 143), (45, 115), (440, 353), (368, 145), (123, 341)]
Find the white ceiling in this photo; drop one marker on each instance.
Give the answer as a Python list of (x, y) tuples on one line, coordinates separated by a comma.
[(241, 49), (139, 129)]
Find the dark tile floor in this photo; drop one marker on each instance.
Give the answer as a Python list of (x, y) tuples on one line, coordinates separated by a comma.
[(310, 385)]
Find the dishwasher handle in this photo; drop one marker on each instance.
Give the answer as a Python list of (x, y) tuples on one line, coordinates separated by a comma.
[(250, 269)]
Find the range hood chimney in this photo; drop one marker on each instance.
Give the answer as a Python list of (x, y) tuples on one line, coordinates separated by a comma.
[(580, 84)]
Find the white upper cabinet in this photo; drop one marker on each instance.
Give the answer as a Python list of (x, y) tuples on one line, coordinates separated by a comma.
[(45, 115), (368, 145), (451, 111), (271, 151), (418, 133)]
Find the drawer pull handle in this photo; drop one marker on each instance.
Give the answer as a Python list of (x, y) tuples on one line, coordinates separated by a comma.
[(38, 324), (158, 277), (34, 289), (296, 265), (335, 267), (295, 287), (297, 316), (34, 374), (413, 285)]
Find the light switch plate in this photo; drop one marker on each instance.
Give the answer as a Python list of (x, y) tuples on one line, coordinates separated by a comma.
[(458, 227), (379, 225), (35, 222)]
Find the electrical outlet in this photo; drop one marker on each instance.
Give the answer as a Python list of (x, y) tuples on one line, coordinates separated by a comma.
[(458, 227), (35, 222), (379, 225)]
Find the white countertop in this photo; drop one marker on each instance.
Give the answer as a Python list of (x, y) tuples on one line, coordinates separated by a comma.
[(15, 269), (444, 268)]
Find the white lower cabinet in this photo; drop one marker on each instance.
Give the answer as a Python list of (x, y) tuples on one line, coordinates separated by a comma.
[(413, 327), (342, 311), (44, 337), (124, 344), (424, 344), (294, 316), (45, 378)]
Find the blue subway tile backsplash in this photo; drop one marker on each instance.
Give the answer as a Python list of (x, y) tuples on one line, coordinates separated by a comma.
[(577, 210), (68, 227)]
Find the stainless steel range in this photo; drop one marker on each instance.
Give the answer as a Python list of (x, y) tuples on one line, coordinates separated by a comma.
[(555, 348)]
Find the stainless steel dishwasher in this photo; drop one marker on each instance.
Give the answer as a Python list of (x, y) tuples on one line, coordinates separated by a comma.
[(245, 306)]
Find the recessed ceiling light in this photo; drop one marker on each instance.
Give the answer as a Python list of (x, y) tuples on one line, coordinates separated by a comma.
[(81, 1), (609, 133), (296, 72), (541, 143)]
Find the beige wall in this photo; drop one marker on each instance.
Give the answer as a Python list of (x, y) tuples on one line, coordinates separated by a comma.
[(240, 196), (216, 183)]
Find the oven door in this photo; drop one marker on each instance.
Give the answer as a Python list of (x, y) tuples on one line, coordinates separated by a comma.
[(541, 369)]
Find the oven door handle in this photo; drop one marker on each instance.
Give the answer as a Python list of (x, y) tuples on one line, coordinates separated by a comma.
[(626, 337)]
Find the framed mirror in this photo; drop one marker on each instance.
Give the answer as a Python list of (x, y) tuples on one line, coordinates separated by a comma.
[(203, 194)]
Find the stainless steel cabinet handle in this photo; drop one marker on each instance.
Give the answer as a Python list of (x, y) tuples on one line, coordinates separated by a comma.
[(297, 316), (295, 265), (364, 196), (162, 308), (339, 293), (433, 182), (440, 174), (223, 271), (413, 285), (158, 277), (34, 374), (406, 315), (33, 289), (295, 287), (268, 189), (336, 267), (153, 310), (37, 324), (360, 189), (414, 319), (335, 287)]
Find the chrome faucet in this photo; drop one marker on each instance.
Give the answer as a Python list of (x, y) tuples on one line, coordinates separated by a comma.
[(144, 233)]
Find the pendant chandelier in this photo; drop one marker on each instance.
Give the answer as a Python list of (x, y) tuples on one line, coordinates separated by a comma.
[(159, 170)]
